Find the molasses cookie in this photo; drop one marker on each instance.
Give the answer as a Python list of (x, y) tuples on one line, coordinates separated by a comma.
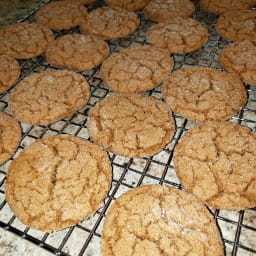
[(57, 182), (201, 93), (136, 69), (129, 5), (216, 161), (132, 125)]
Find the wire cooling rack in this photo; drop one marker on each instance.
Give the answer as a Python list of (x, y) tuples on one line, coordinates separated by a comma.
[(238, 228)]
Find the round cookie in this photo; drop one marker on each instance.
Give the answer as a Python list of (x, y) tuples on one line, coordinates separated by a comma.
[(9, 72), (237, 25), (166, 10), (180, 35), (57, 182), (48, 96), (216, 161), (202, 93), (240, 58), (24, 40), (217, 6), (77, 52), (136, 69), (109, 23), (10, 135), (129, 5), (159, 220), (132, 125), (60, 15)]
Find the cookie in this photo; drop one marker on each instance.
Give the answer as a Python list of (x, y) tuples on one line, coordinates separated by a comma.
[(202, 93), (60, 15), (240, 58), (136, 69), (57, 182), (216, 6), (215, 161), (166, 10), (109, 23), (10, 135), (9, 72), (77, 52), (48, 96), (180, 35), (129, 5), (132, 125), (159, 220), (24, 40), (237, 25)]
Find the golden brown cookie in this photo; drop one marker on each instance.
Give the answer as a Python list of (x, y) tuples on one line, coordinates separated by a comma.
[(216, 161), (136, 69), (48, 96), (10, 135), (109, 23), (77, 52), (159, 220), (180, 35), (201, 93), (57, 182), (217, 6), (166, 10), (237, 25), (9, 72), (240, 58), (24, 40), (60, 15), (132, 125), (129, 5)]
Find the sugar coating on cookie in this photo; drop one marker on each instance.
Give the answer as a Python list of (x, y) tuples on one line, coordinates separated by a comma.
[(216, 161), (77, 52), (202, 93), (10, 135), (159, 220), (132, 125), (48, 96), (165, 10), (57, 182), (137, 69), (60, 15), (129, 5), (179, 35), (217, 6), (237, 25), (24, 40), (9, 72), (240, 57), (109, 23)]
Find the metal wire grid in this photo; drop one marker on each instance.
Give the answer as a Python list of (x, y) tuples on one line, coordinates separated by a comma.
[(84, 238)]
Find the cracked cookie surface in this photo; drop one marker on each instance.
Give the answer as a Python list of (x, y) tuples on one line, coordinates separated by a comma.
[(179, 35), (57, 182), (48, 96), (24, 40), (77, 52), (165, 10), (9, 72), (202, 93), (10, 135), (109, 23), (157, 220), (216, 161), (129, 5), (60, 15), (240, 57), (237, 25), (136, 69), (132, 125)]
